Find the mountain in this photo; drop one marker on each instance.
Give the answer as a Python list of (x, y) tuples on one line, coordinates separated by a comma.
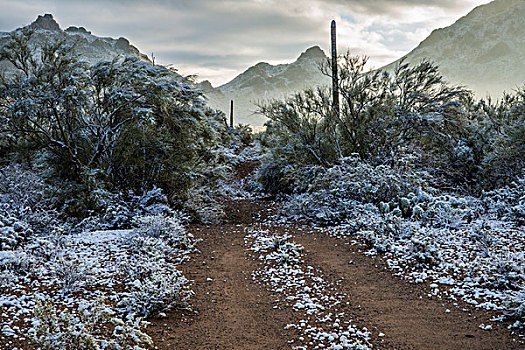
[(90, 48), (483, 50), (263, 82)]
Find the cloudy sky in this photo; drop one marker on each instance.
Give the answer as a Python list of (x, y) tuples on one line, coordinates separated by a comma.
[(219, 39)]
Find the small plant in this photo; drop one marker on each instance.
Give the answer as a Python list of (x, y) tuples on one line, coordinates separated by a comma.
[(167, 228), (508, 269), (483, 236), (278, 241), (516, 309), (424, 250), (157, 291), (17, 262), (92, 327), (70, 272), (381, 244)]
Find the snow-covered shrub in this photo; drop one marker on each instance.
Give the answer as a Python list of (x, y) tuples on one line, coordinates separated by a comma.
[(47, 248), (16, 261), (518, 213), (423, 249), (15, 266), (436, 211), (516, 309), (152, 202), (12, 231), (382, 232), (205, 208), (508, 269), (251, 154), (154, 282), (71, 273), (155, 288), (381, 244), (117, 216), (507, 202), (277, 177), (334, 194), (92, 327), (117, 211), (284, 251), (21, 188), (277, 241), (483, 236), (169, 229)]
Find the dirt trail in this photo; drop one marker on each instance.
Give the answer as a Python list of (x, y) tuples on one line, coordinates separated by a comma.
[(401, 310), (230, 311)]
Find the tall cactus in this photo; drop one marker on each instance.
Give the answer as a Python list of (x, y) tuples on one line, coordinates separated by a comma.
[(335, 78), (231, 113)]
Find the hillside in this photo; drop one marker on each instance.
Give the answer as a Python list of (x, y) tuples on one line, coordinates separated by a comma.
[(483, 50), (265, 81), (89, 47)]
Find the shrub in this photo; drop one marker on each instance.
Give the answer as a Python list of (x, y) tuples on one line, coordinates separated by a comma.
[(424, 250), (92, 327), (159, 289), (169, 229), (71, 272), (334, 194)]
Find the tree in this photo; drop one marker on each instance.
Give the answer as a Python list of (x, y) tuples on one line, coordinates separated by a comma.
[(129, 123)]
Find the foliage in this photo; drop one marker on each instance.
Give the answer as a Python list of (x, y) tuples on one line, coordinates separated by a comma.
[(154, 283), (334, 193), (160, 288), (92, 327), (114, 126), (383, 117)]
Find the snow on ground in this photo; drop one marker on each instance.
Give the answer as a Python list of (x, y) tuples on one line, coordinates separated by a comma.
[(71, 271), (282, 270), (65, 270), (482, 265)]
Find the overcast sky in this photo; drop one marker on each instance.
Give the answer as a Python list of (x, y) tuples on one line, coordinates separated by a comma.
[(219, 39)]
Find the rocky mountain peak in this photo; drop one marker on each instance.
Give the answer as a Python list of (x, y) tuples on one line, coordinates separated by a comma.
[(46, 22), (314, 52), (205, 85), (74, 29)]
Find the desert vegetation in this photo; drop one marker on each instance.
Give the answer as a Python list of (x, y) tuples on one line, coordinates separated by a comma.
[(110, 174), (414, 169)]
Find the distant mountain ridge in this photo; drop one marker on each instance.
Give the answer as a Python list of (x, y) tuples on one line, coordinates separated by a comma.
[(483, 50), (89, 47), (265, 81)]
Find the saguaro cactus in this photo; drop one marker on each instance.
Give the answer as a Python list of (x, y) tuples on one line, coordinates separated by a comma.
[(231, 113), (335, 78)]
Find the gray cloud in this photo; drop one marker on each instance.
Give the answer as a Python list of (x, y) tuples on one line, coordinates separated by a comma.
[(211, 36)]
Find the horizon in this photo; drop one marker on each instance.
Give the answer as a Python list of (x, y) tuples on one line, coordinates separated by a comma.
[(220, 48)]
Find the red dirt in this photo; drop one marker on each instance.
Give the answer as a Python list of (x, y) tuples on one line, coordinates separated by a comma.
[(230, 311)]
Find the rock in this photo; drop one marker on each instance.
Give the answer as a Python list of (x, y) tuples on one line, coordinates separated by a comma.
[(122, 44), (46, 22), (74, 29)]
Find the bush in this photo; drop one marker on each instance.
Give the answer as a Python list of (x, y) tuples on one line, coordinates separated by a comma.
[(154, 282), (159, 288), (131, 126), (423, 250), (92, 327), (71, 272), (333, 194)]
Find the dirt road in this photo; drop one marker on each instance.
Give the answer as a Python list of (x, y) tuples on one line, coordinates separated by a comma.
[(231, 311)]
